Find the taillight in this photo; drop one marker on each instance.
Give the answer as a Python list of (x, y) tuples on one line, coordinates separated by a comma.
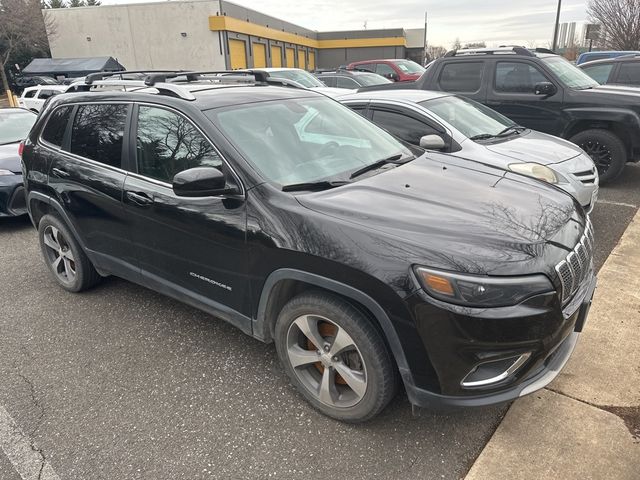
[(21, 148)]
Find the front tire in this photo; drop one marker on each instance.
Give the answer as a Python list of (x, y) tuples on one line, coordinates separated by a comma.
[(605, 149), (335, 357), (67, 263)]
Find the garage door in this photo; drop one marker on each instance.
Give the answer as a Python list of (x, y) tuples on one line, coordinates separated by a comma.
[(237, 54), (302, 61), (291, 57), (276, 56), (259, 55), (312, 60)]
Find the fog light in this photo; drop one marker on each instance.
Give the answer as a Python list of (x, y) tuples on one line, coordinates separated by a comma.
[(494, 371)]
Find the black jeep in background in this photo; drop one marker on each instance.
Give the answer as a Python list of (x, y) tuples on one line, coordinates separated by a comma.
[(544, 92)]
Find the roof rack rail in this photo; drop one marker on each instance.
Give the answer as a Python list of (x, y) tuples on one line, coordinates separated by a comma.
[(192, 76), (170, 89), (92, 77), (544, 50), (491, 51)]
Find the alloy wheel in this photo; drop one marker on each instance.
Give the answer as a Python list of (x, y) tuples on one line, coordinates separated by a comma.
[(327, 361), (600, 154), (59, 254)]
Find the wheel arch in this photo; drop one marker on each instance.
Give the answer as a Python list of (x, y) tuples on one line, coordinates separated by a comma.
[(620, 122), (283, 284), (40, 205)]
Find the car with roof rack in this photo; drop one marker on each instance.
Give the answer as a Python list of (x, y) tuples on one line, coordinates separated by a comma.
[(350, 79), (603, 54), (542, 91), (454, 124), (367, 261), (622, 70)]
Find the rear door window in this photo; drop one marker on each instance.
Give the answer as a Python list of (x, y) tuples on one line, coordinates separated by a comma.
[(98, 132), (328, 81), (346, 82), (53, 132), (600, 73), (30, 93), (402, 126), (463, 77), (517, 77), (369, 67), (384, 70), (46, 93), (629, 73)]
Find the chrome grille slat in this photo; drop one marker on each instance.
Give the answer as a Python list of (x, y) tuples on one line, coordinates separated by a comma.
[(575, 267)]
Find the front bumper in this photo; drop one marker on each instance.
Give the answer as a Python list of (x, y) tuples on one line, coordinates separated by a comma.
[(12, 196), (547, 334)]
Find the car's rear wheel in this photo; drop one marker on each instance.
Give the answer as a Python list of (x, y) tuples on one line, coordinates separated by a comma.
[(605, 149), (335, 357), (68, 264)]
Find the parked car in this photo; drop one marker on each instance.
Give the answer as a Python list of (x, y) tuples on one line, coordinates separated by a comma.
[(449, 123), (21, 82), (33, 98), (398, 70), (301, 78), (15, 124), (350, 79), (297, 220), (623, 70), (605, 54), (544, 92)]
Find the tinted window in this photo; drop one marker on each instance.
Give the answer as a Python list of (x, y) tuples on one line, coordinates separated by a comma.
[(629, 73), (370, 67), (404, 127), (168, 143), (600, 73), (517, 77), (384, 70), (461, 77), (328, 81), (56, 125), (44, 94), (30, 94), (345, 82), (98, 131)]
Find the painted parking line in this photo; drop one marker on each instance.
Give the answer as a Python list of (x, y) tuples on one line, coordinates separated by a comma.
[(619, 204), (26, 458)]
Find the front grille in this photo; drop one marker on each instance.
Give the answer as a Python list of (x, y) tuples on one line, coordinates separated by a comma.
[(587, 177), (573, 269)]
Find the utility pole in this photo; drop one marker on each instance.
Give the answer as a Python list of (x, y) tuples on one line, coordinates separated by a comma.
[(424, 56), (557, 27)]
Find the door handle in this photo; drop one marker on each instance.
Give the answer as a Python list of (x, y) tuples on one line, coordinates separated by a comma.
[(60, 173), (141, 199)]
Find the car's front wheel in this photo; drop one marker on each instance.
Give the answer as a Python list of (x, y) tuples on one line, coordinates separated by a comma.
[(68, 264), (605, 149), (335, 357)]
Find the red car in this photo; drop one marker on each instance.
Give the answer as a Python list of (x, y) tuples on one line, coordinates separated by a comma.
[(398, 70)]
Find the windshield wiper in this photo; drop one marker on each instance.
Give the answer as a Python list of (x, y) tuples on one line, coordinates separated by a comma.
[(378, 164), (515, 128), (319, 185), (482, 136)]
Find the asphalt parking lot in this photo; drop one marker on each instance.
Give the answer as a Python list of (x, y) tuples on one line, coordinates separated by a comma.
[(123, 383)]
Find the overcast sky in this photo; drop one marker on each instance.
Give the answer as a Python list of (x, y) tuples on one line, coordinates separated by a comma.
[(493, 21)]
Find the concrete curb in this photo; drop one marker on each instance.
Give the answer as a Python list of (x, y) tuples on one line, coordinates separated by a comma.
[(568, 431)]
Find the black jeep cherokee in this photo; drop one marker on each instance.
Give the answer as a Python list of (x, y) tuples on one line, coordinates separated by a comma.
[(300, 222), (545, 92)]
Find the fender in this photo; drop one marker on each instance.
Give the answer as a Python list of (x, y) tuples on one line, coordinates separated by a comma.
[(626, 117), (261, 328)]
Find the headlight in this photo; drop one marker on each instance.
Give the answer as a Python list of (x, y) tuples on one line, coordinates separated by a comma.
[(481, 291), (535, 170), (6, 172)]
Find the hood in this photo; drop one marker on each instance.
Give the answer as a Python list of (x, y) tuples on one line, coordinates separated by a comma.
[(460, 214), (9, 158), (333, 91), (533, 146), (620, 90)]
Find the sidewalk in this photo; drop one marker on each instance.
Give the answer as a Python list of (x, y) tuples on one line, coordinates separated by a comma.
[(586, 424)]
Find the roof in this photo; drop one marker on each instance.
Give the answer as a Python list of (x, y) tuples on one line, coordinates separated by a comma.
[(46, 86), (622, 58), (380, 60), (413, 96), (71, 66), (346, 73)]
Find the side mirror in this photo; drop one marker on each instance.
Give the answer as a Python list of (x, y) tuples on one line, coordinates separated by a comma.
[(545, 88), (201, 182), (432, 142)]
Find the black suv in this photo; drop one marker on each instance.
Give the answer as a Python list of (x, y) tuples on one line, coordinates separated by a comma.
[(622, 70), (545, 92), (300, 222)]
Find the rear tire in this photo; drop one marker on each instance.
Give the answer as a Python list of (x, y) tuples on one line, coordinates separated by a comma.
[(335, 357), (605, 149), (67, 263)]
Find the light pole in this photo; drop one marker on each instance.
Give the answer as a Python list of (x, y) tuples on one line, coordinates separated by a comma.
[(556, 28), (424, 55)]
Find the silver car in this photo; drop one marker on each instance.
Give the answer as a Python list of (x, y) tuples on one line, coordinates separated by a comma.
[(448, 123)]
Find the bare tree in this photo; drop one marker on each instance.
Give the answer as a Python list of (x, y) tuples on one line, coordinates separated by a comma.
[(435, 51), (22, 33), (619, 20), (475, 45), (457, 45)]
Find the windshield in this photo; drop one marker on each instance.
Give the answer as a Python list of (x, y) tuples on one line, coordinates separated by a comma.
[(469, 117), (407, 66), (368, 79), (15, 125), (569, 74), (303, 78), (305, 139)]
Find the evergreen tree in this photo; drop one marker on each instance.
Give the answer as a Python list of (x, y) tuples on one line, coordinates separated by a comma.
[(93, 3), (76, 3), (57, 4)]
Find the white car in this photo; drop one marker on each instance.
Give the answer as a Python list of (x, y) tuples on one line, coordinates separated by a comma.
[(304, 79), (33, 98), (453, 124)]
